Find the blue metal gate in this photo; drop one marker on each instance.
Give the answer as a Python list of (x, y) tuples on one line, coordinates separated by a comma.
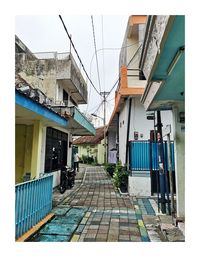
[(144, 155), (33, 201)]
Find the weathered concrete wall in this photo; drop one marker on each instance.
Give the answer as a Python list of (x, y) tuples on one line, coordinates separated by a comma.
[(45, 74), (39, 74), (63, 69)]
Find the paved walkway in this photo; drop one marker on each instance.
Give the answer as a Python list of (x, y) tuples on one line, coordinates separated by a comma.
[(93, 212)]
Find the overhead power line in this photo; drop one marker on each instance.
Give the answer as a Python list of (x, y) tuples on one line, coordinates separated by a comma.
[(78, 54), (136, 52), (102, 35), (95, 48)]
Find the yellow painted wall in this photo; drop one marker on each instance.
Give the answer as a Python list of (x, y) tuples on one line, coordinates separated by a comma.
[(101, 152), (23, 151), (97, 151), (36, 149)]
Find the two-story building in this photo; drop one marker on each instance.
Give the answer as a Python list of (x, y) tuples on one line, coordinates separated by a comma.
[(163, 64), (49, 88), (92, 146), (129, 123)]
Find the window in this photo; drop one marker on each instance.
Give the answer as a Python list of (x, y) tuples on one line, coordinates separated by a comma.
[(65, 97), (56, 149)]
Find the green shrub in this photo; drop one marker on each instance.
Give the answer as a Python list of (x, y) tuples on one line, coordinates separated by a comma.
[(110, 168), (84, 158), (120, 176), (87, 159)]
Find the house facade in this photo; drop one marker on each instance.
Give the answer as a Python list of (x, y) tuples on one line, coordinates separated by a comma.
[(129, 118), (163, 64), (91, 146), (49, 88)]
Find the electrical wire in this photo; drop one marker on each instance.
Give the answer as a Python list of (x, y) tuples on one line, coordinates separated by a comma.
[(95, 47), (134, 55), (112, 88), (113, 48), (78, 54), (102, 35), (98, 107), (127, 66)]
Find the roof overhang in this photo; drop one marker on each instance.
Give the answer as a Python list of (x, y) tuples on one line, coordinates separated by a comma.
[(166, 87), (79, 124), (28, 111)]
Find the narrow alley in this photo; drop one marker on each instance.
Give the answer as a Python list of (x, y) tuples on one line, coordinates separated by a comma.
[(94, 212)]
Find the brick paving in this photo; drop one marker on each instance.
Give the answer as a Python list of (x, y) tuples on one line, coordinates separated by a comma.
[(93, 211), (110, 217)]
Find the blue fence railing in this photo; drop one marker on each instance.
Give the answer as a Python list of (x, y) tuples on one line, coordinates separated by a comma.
[(144, 155), (33, 201)]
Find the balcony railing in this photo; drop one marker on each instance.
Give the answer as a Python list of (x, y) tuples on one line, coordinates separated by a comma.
[(33, 201)]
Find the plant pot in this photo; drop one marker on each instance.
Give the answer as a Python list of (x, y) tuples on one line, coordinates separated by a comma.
[(124, 188)]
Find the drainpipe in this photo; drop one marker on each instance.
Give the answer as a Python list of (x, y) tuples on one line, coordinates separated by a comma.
[(161, 163), (118, 137), (128, 129)]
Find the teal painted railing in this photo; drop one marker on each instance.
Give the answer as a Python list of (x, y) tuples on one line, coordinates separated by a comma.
[(33, 201), (144, 155)]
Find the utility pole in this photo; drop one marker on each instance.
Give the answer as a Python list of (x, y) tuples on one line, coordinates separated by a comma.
[(104, 94)]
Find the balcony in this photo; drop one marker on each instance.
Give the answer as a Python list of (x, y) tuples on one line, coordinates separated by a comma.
[(50, 68), (69, 77), (78, 124)]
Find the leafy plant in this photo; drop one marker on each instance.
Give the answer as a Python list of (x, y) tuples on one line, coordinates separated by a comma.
[(87, 159), (120, 176), (110, 168)]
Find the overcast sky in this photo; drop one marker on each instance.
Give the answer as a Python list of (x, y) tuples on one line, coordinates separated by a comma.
[(46, 33)]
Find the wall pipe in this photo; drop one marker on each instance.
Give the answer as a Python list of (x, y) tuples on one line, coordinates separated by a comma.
[(161, 163), (128, 129)]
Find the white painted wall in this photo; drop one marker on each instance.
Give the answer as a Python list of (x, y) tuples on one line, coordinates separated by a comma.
[(139, 122), (167, 119), (179, 148), (56, 178), (139, 186), (123, 121), (112, 158)]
